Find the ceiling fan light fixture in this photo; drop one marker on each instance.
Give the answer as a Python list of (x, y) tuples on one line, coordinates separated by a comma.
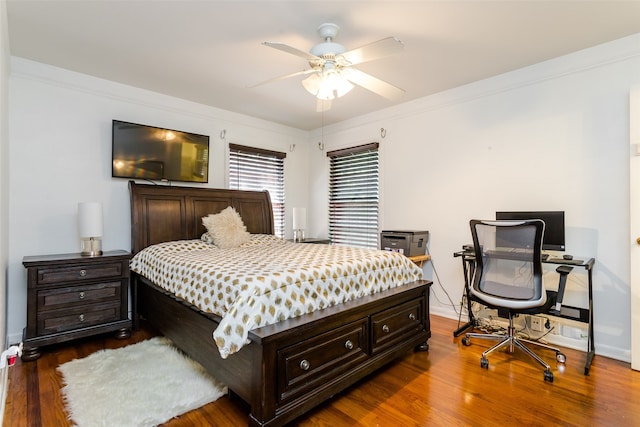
[(312, 83), (342, 85), (327, 85), (326, 91), (331, 74)]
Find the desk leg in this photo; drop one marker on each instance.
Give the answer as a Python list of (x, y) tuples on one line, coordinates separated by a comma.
[(463, 328), (471, 322), (591, 347)]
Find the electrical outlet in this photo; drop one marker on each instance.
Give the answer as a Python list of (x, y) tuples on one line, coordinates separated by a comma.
[(537, 323)]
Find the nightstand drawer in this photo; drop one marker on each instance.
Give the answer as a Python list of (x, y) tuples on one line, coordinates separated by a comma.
[(51, 322), (55, 298), (49, 276)]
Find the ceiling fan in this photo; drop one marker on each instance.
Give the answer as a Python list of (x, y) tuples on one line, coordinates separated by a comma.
[(332, 73)]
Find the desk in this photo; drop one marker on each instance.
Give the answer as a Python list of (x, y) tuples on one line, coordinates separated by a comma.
[(584, 315), (420, 259)]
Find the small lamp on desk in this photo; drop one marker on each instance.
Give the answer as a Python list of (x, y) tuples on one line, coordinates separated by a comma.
[(299, 224), (90, 227)]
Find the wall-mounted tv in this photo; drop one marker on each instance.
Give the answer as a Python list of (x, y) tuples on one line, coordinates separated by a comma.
[(153, 153)]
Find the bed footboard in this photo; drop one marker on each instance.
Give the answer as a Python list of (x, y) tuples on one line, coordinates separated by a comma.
[(294, 365)]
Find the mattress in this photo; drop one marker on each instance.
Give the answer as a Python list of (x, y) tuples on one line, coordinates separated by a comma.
[(268, 279)]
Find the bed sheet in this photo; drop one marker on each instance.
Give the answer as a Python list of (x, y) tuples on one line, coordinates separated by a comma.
[(268, 279)]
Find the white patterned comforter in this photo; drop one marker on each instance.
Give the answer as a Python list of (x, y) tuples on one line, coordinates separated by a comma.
[(268, 279)]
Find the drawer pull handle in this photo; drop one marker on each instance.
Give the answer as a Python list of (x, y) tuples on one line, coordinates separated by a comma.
[(83, 273), (81, 317), (81, 295), (385, 329), (412, 316), (305, 365), (348, 345)]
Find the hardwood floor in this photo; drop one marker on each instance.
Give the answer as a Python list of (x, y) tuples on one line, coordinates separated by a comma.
[(442, 387)]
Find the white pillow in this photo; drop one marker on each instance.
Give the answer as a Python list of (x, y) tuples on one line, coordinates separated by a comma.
[(206, 237), (226, 228)]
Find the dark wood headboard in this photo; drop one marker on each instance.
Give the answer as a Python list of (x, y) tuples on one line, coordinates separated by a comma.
[(161, 213)]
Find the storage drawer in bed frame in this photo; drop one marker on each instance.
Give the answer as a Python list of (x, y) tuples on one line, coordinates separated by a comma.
[(307, 364)]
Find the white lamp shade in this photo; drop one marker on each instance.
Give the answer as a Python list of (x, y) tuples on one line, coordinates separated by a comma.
[(327, 85), (312, 83), (90, 219), (299, 218)]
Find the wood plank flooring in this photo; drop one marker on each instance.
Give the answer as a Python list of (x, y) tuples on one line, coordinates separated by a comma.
[(442, 387)]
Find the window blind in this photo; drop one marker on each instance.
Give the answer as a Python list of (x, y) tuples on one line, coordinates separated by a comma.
[(353, 196), (256, 169)]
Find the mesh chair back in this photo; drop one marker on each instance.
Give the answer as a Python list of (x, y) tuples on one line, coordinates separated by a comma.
[(508, 270)]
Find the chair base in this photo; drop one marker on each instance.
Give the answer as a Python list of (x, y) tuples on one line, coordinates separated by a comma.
[(512, 341)]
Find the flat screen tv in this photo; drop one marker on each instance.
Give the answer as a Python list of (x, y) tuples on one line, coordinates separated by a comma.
[(153, 153), (553, 239)]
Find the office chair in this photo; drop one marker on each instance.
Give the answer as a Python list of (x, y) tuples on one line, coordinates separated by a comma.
[(508, 276)]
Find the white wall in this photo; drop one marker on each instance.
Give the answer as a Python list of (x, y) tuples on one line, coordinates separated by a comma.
[(60, 140), (553, 136)]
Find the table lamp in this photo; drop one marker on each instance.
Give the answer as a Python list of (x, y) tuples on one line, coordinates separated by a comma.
[(90, 227), (299, 224)]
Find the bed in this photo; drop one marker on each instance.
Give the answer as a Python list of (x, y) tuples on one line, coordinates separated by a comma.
[(289, 367)]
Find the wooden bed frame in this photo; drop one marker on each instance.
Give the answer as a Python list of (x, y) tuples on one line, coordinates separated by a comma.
[(292, 366)]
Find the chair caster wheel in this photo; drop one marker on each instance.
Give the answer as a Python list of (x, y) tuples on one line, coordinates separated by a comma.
[(561, 358), (466, 341), (548, 376), (484, 363)]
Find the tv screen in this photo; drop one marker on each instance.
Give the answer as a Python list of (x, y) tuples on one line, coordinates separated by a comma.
[(152, 153), (553, 239)]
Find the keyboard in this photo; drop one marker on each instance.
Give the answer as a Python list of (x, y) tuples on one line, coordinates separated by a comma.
[(565, 261)]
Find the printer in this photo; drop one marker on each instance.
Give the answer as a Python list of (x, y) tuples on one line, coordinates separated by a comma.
[(407, 242)]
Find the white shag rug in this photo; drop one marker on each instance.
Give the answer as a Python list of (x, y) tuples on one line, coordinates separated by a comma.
[(143, 384)]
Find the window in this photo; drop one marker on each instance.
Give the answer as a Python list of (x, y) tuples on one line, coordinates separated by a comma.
[(256, 169), (353, 196)]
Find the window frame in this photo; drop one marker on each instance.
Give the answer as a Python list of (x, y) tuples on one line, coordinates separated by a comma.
[(359, 209), (243, 156)]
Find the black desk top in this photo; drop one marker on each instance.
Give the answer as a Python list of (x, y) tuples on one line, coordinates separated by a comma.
[(586, 263)]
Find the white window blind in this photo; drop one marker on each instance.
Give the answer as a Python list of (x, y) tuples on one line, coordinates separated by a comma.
[(353, 196), (256, 169)]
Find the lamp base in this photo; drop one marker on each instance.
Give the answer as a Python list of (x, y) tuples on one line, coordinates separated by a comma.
[(91, 246), (298, 235)]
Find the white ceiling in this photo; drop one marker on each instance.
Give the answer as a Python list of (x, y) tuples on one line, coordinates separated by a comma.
[(210, 52)]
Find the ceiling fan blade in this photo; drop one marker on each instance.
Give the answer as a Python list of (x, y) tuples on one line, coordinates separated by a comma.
[(375, 50), (374, 84), (323, 105), (289, 49), (275, 79)]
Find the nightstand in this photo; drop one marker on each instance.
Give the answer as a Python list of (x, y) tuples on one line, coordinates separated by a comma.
[(70, 296), (313, 240)]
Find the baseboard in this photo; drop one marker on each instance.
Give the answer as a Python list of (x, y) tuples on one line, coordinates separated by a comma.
[(4, 388), (569, 338)]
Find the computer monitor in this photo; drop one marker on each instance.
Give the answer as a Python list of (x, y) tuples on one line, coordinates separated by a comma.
[(553, 239)]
